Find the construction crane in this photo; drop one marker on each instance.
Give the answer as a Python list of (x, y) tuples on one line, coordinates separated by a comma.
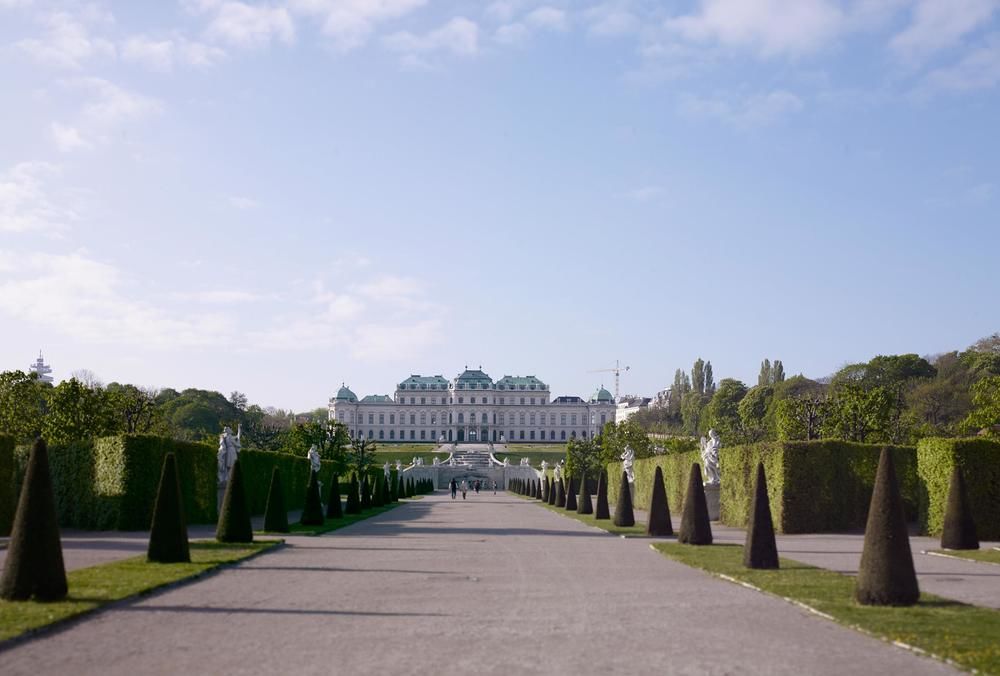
[(617, 370)]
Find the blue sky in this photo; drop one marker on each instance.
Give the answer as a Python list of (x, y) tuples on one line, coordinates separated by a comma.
[(277, 197)]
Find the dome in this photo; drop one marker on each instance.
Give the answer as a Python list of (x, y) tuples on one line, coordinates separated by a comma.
[(345, 394), (602, 396)]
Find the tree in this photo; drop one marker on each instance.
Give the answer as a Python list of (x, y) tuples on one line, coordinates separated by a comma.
[(985, 413), (753, 409), (698, 376), (616, 436), (238, 400), (362, 455), (709, 380), (722, 411), (22, 404), (584, 456), (263, 431), (691, 412), (133, 409), (802, 417), (777, 372), (989, 344), (329, 437), (764, 377), (859, 414), (76, 412)]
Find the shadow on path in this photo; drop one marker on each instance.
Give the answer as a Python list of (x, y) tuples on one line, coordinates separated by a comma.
[(268, 611)]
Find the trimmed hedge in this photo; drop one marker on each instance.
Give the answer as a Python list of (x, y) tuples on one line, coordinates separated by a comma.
[(110, 483), (676, 468), (8, 498), (980, 463), (813, 486)]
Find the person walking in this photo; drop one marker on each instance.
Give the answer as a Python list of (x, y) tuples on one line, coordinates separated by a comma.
[(476, 486), (494, 487), (453, 485), (465, 487)]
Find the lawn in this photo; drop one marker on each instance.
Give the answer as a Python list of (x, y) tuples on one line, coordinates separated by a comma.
[(91, 588), (944, 628), (553, 453), (405, 452), (982, 555), (335, 524)]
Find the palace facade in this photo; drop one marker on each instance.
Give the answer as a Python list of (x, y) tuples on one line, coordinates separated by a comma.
[(472, 408)]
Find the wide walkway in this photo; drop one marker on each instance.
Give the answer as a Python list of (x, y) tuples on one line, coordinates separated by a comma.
[(494, 584)]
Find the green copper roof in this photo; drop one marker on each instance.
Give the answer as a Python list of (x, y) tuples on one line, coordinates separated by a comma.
[(418, 382), (521, 383), (602, 395), (344, 393), (376, 399)]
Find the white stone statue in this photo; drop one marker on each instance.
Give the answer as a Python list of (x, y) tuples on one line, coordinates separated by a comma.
[(525, 462), (399, 465), (385, 468), (557, 471), (506, 462), (437, 461), (502, 441), (451, 462), (229, 451), (414, 463), (628, 459), (545, 465), (313, 457), (710, 457)]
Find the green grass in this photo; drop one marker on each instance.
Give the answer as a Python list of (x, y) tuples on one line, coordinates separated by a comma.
[(983, 555), (405, 452), (553, 453), (91, 588), (332, 525), (604, 524), (967, 635)]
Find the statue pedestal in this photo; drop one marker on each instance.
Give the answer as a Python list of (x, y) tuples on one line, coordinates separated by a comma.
[(219, 496), (712, 497)]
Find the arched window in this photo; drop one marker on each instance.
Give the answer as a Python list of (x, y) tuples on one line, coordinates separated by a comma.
[(486, 419), (461, 418)]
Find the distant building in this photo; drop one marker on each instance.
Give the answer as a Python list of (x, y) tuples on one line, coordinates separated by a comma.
[(629, 405), (472, 408), (41, 369)]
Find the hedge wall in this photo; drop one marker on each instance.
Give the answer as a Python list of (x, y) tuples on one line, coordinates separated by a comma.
[(814, 486), (110, 483), (676, 469), (980, 463), (7, 502)]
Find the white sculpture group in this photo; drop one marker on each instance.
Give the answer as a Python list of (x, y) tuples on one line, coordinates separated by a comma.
[(229, 451), (628, 461), (710, 457)]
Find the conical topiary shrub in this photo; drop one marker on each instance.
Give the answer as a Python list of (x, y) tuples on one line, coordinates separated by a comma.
[(378, 493), (538, 489), (398, 492), (334, 510), (659, 510), (545, 489), (695, 527), (583, 502), (552, 492), (410, 490), (886, 576), (168, 538), (312, 512), (571, 495), (366, 492), (34, 565), (624, 515), (760, 550), (959, 527), (353, 505), (561, 493), (234, 518), (275, 513), (386, 490), (602, 510)]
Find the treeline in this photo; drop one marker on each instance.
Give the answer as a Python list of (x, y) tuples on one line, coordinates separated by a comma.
[(83, 408), (895, 399)]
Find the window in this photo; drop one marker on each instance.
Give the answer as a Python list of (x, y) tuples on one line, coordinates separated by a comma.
[(341, 416), (532, 401), (562, 420), (501, 401), (486, 420), (573, 419), (522, 434), (563, 433), (423, 434), (552, 418), (392, 418), (461, 400), (584, 433), (371, 418), (413, 400), (392, 434), (521, 418), (423, 418), (371, 434), (604, 417), (511, 435), (433, 435), (381, 418), (434, 418), (461, 418), (532, 418), (381, 434), (502, 419), (552, 435), (423, 400), (522, 401)]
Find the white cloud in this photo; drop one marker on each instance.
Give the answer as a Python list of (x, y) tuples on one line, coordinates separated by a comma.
[(66, 43), (224, 297), (25, 201), (546, 17), (511, 33), (978, 69), (611, 20), (242, 203), (502, 10), (110, 104), (244, 25), (350, 23), (459, 36), (747, 111), (939, 24), (771, 27), (164, 55), (68, 139)]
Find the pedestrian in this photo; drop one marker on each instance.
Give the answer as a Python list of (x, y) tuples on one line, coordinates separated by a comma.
[(477, 486), (494, 487), (453, 485), (465, 487)]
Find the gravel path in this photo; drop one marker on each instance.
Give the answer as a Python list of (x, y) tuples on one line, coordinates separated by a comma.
[(494, 584)]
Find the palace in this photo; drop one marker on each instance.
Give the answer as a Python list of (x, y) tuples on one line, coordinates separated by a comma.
[(472, 408)]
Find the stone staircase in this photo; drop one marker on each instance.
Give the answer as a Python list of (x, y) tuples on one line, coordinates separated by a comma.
[(474, 456)]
